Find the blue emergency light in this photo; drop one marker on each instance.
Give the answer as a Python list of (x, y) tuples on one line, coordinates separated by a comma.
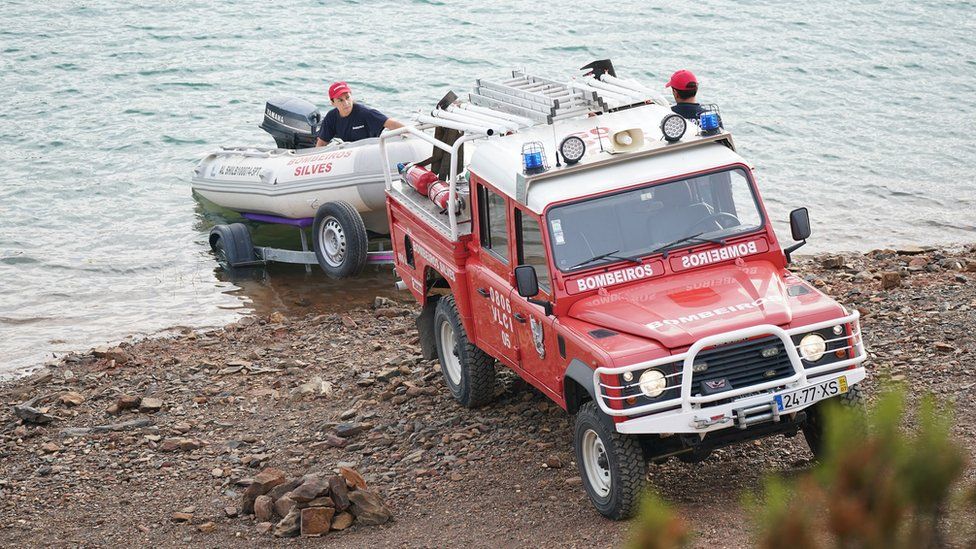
[(534, 158), (710, 121)]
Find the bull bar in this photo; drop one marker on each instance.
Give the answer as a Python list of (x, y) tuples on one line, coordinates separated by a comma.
[(694, 416)]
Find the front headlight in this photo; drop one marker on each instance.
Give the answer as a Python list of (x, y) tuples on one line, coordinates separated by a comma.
[(813, 347), (653, 383)]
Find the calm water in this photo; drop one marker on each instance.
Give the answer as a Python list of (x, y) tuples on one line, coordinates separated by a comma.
[(864, 114)]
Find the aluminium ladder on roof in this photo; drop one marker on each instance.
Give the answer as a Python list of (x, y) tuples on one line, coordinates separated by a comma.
[(545, 101), (525, 100)]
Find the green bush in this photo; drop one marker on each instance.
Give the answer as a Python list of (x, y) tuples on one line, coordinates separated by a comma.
[(885, 481)]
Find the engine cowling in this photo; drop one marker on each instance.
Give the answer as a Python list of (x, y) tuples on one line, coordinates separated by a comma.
[(294, 123)]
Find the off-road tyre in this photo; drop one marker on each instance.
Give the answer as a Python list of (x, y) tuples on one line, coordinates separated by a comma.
[(232, 246), (814, 427), (469, 372), (625, 472), (339, 239)]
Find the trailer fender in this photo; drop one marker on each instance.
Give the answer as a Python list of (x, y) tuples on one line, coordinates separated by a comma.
[(577, 385)]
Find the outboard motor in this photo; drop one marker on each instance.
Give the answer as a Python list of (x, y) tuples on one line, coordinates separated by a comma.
[(294, 123)]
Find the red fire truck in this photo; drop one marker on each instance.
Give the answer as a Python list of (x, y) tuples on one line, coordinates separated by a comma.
[(618, 258)]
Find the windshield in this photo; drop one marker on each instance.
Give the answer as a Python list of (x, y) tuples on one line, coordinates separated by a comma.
[(652, 219)]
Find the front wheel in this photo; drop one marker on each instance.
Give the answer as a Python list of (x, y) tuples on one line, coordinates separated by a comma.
[(814, 429), (468, 371), (612, 465), (339, 239)]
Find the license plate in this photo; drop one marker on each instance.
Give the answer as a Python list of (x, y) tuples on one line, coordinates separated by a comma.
[(811, 394)]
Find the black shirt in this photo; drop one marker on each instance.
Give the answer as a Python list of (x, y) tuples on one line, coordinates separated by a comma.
[(363, 122), (687, 110)]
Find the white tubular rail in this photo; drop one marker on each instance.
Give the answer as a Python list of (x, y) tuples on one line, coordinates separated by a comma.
[(687, 402), (635, 87), (418, 131), (497, 122), (493, 125), (460, 126)]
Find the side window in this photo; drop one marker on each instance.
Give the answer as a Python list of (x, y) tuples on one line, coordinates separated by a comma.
[(531, 249), (493, 223)]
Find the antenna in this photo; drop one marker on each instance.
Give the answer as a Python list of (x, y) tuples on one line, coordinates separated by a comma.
[(556, 145)]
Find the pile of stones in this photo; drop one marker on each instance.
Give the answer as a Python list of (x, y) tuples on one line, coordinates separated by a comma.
[(313, 504)]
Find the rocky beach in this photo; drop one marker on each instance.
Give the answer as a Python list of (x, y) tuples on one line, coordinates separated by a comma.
[(163, 442)]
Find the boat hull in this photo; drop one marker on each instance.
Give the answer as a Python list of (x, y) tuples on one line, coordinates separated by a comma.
[(294, 183)]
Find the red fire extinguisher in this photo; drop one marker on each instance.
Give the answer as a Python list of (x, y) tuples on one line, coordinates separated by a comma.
[(420, 179), (439, 193)]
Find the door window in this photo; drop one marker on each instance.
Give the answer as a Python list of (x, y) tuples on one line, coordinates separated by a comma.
[(531, 249), (494, 224)]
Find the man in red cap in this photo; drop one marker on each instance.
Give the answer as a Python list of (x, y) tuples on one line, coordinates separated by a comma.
[(350, 121), (684, 86)]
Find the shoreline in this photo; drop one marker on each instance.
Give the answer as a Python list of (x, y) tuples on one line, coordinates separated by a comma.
[(314, 393)]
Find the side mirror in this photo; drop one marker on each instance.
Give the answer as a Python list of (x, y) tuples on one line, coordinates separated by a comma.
[(800, 224), (527, 284), (800, 227), (526, 281)]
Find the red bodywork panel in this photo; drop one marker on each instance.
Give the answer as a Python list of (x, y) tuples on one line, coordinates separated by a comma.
[(652, 310)]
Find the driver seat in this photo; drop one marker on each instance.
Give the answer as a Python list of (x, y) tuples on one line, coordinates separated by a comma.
[(678, 214)]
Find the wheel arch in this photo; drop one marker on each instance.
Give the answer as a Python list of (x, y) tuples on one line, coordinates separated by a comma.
[(578, 385)]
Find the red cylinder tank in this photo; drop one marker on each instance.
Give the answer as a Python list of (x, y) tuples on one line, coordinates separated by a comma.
[(420, 179)]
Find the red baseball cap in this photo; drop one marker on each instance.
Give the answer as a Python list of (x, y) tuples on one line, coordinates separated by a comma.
[(337, 89), (683, 80)]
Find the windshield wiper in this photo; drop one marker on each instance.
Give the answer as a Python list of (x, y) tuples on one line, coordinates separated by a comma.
[(682, 240), (612, 254)]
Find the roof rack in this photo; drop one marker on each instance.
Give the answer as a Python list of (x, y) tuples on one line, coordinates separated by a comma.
[(527, 100)]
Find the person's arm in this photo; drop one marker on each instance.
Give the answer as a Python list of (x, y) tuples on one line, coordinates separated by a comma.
[(392, 124), (319, 142)]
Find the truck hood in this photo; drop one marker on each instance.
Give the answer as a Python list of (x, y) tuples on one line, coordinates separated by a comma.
[(680, 309)]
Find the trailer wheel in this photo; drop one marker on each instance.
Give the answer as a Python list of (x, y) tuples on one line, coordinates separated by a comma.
[(612, 465), (468, 371), (814, 429), (339, 239), (232, 245)]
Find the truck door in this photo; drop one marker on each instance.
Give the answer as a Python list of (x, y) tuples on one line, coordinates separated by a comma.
[(490, 277), (536, 336)]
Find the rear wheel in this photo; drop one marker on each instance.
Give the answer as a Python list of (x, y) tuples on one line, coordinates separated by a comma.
[(339, 239), (232, 246), (814, 429), (468, 371), (612, 465)]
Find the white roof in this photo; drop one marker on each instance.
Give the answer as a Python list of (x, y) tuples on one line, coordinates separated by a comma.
[(499, 159)]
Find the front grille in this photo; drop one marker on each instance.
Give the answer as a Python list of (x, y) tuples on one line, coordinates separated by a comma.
[(742, 364)]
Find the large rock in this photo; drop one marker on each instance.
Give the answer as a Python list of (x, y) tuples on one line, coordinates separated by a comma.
[(316, 520), (313, 487), (263, 508), (284, 505), (339, 492), (368, 507), (289, 526), (890, 279), (342, 521), (353, 478), (71, 398), (128, 402), (263, 482), (284, 488)]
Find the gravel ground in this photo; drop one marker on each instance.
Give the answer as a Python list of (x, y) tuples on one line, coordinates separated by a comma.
[(217, 407)]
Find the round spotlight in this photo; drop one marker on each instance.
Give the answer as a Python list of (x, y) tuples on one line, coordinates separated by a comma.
[(653, 383), (813, 347), (572, 148), (838, 329), (628, 376), (673, 127)]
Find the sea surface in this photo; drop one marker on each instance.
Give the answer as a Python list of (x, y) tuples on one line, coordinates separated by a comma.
[(863, 112)]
